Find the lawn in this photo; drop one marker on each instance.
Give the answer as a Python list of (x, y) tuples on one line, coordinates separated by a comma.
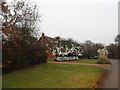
[(54, 76), (92, 61)]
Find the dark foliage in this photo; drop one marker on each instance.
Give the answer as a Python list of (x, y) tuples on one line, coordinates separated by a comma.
[(19, 47), (114, 48), (90, 49), (16, 58)]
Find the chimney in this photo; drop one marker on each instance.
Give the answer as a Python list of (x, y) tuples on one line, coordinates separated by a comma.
[(43, 36)]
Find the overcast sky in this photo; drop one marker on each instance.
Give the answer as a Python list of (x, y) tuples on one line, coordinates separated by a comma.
[(81, 20)]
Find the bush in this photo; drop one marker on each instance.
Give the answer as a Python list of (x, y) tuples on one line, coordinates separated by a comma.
[(16, 58), (99, 62), (40, 55), (103, 60)]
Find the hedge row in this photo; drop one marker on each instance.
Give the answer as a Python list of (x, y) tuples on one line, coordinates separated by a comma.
[(16, 58)]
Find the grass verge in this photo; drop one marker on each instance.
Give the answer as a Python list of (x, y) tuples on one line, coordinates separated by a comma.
[(103, 77)]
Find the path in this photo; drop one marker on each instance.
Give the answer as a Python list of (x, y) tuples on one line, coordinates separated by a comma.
[(112, 80)]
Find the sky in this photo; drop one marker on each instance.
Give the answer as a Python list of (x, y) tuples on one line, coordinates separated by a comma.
[(81, 20)]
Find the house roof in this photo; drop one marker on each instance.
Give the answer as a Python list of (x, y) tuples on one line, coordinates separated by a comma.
[(46, 40)]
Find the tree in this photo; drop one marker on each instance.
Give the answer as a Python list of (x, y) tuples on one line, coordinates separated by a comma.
[(90, 48), (113, 51), (117, 39), (19, 21), (114, 48)]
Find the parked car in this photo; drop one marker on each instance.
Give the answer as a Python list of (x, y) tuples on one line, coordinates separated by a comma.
[(94, 57)]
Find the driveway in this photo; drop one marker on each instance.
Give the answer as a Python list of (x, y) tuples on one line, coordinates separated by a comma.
[(112, 79)]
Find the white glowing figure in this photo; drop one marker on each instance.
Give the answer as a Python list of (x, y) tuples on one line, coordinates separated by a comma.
[(66, 50), (60, 50)]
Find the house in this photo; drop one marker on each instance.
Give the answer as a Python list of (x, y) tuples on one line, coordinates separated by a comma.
[(48, 42)]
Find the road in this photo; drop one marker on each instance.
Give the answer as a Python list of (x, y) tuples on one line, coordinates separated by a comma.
[(112, 79)]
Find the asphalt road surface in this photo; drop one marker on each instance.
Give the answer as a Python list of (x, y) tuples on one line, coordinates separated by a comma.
[(112, 80)]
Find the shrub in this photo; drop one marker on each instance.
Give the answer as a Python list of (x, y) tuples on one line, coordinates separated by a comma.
[(40, 54), (103, 60), (99, 62), (15, 58)]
